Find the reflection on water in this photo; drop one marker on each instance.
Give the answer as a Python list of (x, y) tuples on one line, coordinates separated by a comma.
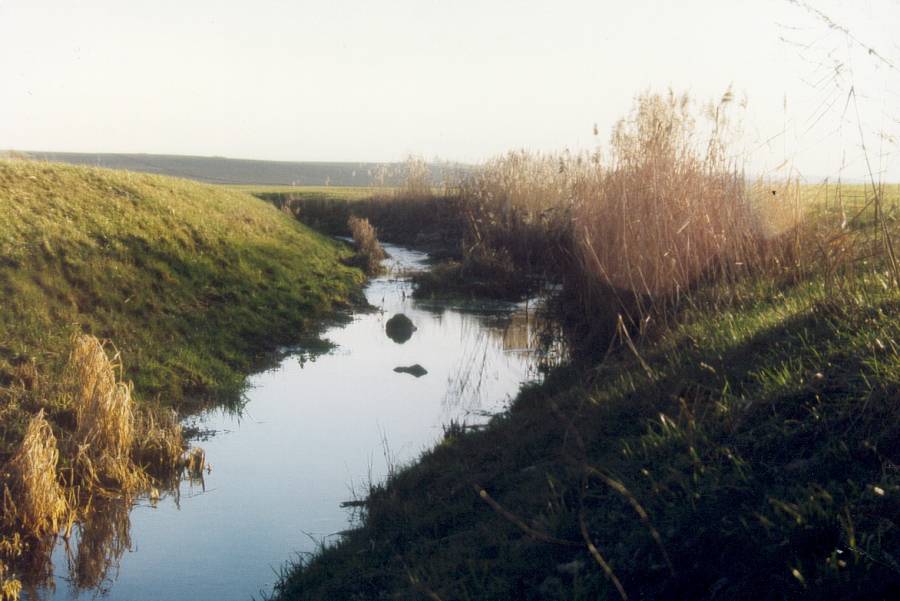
[(102, 540), (92, 551), (313, 430)]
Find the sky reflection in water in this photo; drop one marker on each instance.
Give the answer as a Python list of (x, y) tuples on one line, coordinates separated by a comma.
[(314, 430)]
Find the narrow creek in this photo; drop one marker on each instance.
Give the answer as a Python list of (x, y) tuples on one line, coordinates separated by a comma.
[(314, 431)]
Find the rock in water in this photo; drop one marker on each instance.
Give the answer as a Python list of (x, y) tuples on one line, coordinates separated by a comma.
[(400, 328), (413, 370)]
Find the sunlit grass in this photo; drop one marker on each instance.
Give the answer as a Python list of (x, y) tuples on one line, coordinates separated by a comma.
[(193, 282)]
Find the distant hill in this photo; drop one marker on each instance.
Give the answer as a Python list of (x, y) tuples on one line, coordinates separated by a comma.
[(219, 170)]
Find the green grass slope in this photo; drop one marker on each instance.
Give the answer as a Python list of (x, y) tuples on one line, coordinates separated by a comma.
[(750, 453), (194, 284)]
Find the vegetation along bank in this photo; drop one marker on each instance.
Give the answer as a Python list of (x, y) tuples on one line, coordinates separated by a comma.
[(125, 296), (728, 426)]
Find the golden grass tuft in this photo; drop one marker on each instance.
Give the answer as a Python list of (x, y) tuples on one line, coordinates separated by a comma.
[(105, 416), (114, 451), (368, 248), (33, 498), (159, 442)]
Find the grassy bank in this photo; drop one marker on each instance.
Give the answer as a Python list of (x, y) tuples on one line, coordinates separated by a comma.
[(749, 453), (110, 278), (728, 427), (194, 284)]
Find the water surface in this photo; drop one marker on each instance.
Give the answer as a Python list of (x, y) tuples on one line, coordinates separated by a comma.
[(313, 433)]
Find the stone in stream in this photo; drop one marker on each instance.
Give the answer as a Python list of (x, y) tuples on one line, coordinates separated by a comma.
[(399, 328), (413, 370)]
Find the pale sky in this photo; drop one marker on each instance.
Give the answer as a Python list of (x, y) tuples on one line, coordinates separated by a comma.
[(459, 80)]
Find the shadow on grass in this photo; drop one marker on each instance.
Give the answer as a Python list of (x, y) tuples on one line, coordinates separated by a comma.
[(755, 465)]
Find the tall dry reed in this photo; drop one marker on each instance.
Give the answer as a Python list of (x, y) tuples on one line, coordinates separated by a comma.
[(369, 250), (669, 212), (416, 181), (105, 416), (633, 232)]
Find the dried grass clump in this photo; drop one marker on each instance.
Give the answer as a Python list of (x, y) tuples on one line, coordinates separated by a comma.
[(521, 205), (33, 499), (160, 442), (12, 546), (105, 417), (369, 250), (671, 211), (112, 447), (632, 234)]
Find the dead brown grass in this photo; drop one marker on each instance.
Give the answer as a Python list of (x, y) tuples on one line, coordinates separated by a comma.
[(369, 250), (115, 450), (416, 181), (159, 442), (105, 417), (33, 498), (668, 213), (632, 233)]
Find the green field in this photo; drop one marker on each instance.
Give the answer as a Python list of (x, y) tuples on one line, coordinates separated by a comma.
[(323, 192)]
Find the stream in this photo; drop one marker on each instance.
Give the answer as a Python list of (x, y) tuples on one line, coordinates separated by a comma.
[(314, 432)]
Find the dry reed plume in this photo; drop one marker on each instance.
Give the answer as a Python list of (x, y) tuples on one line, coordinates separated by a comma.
[(34, 504), (115, 443), (368, 248), (414, 175), (634, 232), (670, 212)]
